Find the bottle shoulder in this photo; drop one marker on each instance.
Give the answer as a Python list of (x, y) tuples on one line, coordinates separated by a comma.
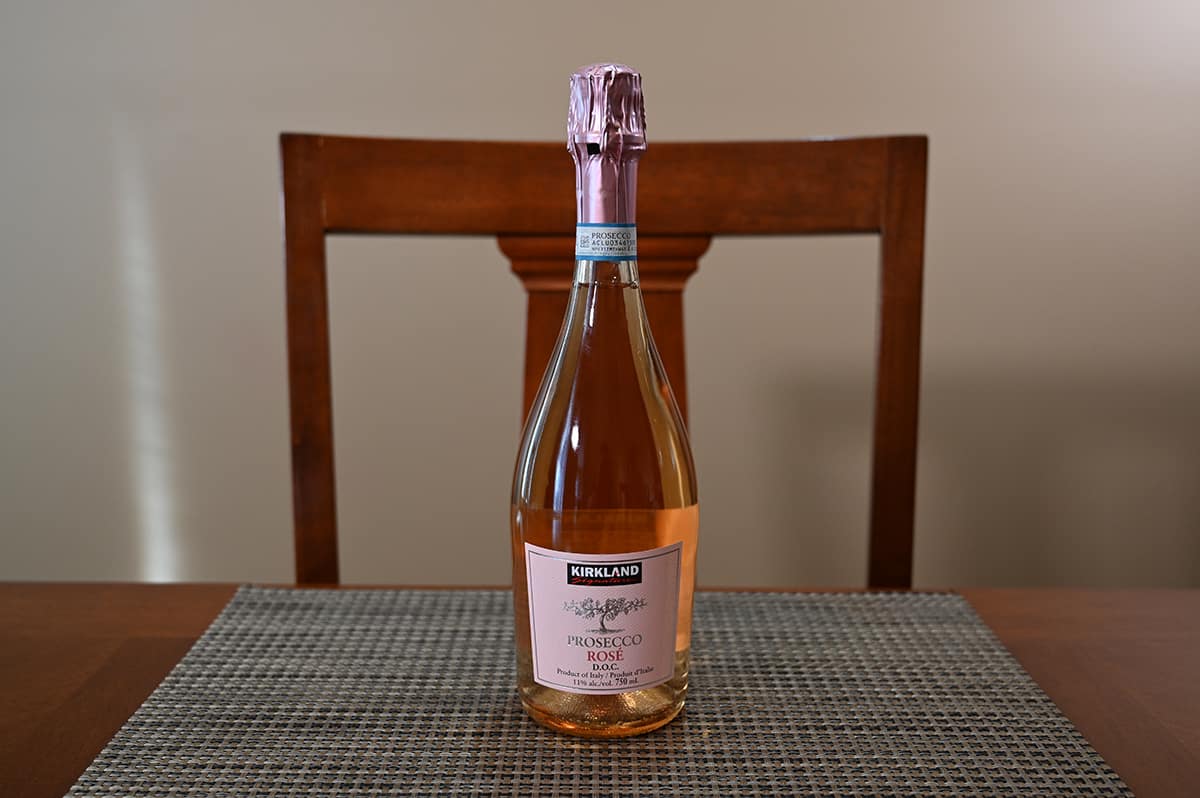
[(604, 434)]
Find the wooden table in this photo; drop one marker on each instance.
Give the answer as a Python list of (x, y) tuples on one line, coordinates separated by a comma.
[(77, 660)]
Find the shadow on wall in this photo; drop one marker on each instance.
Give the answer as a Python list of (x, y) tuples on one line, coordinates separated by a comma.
[(1024, 479)]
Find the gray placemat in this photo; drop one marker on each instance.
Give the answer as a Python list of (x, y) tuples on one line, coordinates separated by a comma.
[(294, 692)]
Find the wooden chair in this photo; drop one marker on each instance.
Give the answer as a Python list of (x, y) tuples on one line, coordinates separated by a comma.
[(523, 193)]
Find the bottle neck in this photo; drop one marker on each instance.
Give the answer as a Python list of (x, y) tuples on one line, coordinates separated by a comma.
[(605, 185), (606, 204), (617, 274)]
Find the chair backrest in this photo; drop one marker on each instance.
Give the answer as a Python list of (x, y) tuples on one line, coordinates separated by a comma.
[(523, 193)]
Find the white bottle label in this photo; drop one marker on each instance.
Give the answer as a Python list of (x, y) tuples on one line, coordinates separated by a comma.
[(605, 241), (603, 623)]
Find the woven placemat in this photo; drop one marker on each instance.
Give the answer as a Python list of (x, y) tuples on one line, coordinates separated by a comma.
[(294, 692)]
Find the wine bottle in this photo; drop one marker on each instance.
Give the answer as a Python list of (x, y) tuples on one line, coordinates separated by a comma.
[(604, 510)]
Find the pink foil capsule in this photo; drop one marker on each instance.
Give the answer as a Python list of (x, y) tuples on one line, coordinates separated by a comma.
[(606, 134)]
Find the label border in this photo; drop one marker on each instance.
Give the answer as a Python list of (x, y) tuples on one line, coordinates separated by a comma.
[(562, 556)]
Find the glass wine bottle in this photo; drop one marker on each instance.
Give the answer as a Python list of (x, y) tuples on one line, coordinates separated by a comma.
[(604, 509)]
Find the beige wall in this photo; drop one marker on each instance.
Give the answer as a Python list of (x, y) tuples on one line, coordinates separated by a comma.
[(143, 427)]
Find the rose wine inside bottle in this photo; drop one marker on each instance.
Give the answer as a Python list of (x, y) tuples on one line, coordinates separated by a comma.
[(604, 510)]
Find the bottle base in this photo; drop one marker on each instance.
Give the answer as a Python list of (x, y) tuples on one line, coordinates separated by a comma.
[(606, 730)]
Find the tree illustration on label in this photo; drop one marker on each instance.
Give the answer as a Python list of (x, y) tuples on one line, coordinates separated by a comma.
[(607, 610)]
